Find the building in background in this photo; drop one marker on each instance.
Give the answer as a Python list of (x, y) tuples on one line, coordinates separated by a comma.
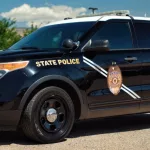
[(21, 30)]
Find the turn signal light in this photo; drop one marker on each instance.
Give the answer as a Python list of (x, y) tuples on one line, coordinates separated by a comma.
[(10, 66)]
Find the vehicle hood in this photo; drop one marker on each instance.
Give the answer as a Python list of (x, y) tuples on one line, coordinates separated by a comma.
[(17, 55)]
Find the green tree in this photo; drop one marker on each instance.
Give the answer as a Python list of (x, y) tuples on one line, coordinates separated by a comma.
[(8, 34), (30, 30)]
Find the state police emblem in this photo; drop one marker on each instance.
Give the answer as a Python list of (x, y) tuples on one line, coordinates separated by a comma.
[(114, 79)]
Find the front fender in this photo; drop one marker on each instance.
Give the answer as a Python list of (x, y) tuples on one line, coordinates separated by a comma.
[(48, 78)]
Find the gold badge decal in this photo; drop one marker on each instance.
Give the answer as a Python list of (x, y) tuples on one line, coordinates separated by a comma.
[(114, 79)]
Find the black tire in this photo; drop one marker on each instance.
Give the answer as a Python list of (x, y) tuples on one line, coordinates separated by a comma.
[(32, 125)]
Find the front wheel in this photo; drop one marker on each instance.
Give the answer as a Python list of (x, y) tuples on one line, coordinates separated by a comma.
[(49, 116)]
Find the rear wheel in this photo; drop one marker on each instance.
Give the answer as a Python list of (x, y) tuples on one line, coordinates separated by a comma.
[(49, 116)]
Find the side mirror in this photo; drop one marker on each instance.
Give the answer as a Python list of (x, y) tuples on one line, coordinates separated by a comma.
[(69, 44), (98, 45)]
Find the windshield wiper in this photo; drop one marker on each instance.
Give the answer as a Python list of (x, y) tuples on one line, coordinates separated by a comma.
[(29, 47)]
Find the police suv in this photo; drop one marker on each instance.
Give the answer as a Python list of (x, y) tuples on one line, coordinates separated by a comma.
[(75, 69)]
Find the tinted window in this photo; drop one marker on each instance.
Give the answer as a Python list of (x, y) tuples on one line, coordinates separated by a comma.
[(143, 34), (52, 36), (118, 34)]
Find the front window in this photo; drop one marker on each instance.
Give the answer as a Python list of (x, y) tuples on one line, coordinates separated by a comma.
[(51, 37), (118, 35)]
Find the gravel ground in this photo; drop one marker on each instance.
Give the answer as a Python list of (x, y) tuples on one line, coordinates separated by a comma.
[(119, 133)]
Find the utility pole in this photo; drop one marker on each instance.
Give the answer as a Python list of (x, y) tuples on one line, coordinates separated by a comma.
[(93, 9)]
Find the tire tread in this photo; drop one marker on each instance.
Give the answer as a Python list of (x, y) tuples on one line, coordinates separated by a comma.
[(26, 122)]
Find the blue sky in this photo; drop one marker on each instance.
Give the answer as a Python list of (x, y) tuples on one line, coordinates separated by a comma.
[(136, 7)]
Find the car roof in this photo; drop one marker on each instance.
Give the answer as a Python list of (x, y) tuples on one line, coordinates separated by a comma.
[(96, 18)]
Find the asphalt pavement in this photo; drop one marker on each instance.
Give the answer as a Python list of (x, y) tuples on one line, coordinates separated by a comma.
[(118, 133)]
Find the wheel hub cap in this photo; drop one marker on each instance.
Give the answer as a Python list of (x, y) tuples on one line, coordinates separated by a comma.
[(51, 115)]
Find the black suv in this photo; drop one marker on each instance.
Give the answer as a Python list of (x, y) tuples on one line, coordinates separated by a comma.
[(72, 70)]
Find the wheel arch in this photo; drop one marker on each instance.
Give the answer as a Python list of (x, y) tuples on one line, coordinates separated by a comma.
[(60, 81)]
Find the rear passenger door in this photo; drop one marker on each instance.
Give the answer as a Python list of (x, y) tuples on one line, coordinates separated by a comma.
[(142, 29), (122, 51)]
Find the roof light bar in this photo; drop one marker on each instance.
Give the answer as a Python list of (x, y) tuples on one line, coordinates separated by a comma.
[(109, 13)]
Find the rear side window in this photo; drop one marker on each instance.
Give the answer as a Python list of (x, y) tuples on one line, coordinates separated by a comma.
[(118, 34), (143, 34)]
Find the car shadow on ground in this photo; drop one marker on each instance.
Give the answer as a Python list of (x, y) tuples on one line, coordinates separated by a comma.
[(88, 128), (111, 125)]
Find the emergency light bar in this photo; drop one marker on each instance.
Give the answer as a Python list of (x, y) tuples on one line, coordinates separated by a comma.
[(109, 13)]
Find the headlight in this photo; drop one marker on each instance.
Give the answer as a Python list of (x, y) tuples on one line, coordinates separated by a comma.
[(11, 66)]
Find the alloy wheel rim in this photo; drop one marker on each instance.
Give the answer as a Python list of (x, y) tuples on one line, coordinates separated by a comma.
[(52, 115)]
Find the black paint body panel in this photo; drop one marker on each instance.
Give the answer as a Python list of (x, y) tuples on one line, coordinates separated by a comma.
[(96, 100)]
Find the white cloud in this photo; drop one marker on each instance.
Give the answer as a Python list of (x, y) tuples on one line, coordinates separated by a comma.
[(44, 15)]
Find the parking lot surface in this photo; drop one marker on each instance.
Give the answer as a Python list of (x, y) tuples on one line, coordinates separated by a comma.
[(119, 133)]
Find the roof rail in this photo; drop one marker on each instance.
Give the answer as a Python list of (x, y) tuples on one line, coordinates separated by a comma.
[(109, 13)]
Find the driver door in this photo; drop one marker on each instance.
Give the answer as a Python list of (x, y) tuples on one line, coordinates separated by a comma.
[(101, 102)]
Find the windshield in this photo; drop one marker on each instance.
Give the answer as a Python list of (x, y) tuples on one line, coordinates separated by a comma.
[(50, 37)]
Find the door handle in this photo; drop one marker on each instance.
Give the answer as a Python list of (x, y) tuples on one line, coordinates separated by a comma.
[(130, 58)]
